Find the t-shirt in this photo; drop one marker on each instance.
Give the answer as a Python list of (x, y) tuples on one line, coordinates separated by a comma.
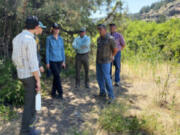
[(105, 47)]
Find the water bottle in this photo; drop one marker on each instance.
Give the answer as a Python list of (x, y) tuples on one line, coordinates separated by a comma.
[(38, 102)]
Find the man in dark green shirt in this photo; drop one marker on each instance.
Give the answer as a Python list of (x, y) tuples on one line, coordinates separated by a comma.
[(106, 50)]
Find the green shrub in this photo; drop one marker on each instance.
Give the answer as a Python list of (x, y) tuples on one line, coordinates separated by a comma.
[(11, 90), (115, 119), (7, 113), (152, 41)]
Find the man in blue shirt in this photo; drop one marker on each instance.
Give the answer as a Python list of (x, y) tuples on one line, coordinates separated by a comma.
[(81, 44)]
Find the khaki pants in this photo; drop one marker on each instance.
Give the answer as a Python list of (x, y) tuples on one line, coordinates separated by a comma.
[(82, 59)]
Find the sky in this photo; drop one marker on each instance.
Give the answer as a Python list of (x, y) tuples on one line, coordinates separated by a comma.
[(133, 6)]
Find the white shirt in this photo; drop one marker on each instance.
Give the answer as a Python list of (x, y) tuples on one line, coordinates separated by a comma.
[(24, 54)]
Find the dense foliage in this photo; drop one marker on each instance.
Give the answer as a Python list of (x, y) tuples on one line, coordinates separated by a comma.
[(152, 41), (70, 14), (11, 90)]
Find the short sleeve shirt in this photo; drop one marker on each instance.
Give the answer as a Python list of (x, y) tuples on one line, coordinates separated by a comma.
[(105, 47)]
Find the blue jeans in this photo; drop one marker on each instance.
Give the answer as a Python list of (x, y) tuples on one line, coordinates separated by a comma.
[(104, 79), (117, 64)]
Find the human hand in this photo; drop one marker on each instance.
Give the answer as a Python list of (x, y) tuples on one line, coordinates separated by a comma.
[(41, 69), (48, 66), (38, 86), (63, 65)]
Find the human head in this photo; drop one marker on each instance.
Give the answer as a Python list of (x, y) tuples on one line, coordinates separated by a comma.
[(112, 27), (102, 29), (82, 32), (40, 28), (55, 28)]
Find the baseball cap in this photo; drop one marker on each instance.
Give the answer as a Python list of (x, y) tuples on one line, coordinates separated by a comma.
[(112, 24), (55, 26), (101, 26), (31, 22), (42, 25), (82, 29)]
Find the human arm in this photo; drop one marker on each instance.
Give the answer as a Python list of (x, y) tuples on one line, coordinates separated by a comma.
[(86, 43), (63, 55), (47, 52), (122, 42), (74, 44), (31, 49)]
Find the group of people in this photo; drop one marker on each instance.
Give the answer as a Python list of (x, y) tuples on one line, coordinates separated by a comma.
[(26, 57)]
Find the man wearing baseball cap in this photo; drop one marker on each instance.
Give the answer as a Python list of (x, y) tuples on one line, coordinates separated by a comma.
[(117, 58), (40, 30), (81, 44), (106, 50), (24, 57)]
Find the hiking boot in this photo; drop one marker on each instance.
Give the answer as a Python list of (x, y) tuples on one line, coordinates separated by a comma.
[(77, 86), (59, 97), (117, 84), (53, 96), (34, 131), (87, 86), (110, 100), (102, 95)]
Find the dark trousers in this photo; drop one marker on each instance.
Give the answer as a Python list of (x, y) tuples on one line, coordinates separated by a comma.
[(117, 64), (57, 86), (29, 104), (82, 59)]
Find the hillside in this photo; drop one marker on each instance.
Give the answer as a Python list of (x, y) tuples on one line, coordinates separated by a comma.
[(160, 11)]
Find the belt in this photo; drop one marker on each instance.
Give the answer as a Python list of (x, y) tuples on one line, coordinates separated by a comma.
[(82, 53)]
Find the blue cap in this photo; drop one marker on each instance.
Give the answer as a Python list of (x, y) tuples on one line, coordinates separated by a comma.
[(41, 25), (82, 29)]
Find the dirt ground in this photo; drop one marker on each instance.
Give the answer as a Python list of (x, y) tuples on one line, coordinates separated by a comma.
[(78, 113)]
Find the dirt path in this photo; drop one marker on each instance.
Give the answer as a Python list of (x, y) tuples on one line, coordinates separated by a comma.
[(78, 113)]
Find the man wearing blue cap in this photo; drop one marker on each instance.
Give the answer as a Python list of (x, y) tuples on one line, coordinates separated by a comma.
[(24, 57), (81, 44), (40, 30)]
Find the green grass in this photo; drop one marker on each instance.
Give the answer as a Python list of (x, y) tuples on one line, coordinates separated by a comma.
[(115, 119), (7, 113)]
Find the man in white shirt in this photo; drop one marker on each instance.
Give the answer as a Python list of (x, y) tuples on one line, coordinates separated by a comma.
[(24, 57)]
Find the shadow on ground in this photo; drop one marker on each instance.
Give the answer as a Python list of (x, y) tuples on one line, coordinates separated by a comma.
[(67, 117)]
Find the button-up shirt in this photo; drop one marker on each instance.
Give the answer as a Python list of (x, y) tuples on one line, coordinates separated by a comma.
[(106, 46), (24, 54), (119, 40), (54, 49), (82, 44)]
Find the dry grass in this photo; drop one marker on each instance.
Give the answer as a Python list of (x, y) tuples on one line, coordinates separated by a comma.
[(143, 78)]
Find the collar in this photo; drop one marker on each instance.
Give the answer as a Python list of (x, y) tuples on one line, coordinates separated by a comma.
[(114, 33), (29, 33), (104, 37), (52, 36), (82, 37)]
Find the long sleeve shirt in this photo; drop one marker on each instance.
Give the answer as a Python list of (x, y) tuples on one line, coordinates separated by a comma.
[(119, 40), (54, 49), (82, 44), (24, 54)]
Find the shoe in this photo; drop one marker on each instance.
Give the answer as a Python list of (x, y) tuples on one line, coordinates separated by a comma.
[(117, 84), (34, 131), (111, 100), (77, 86), (87, 86), (59, 97), (53, 95), (102, 95)]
